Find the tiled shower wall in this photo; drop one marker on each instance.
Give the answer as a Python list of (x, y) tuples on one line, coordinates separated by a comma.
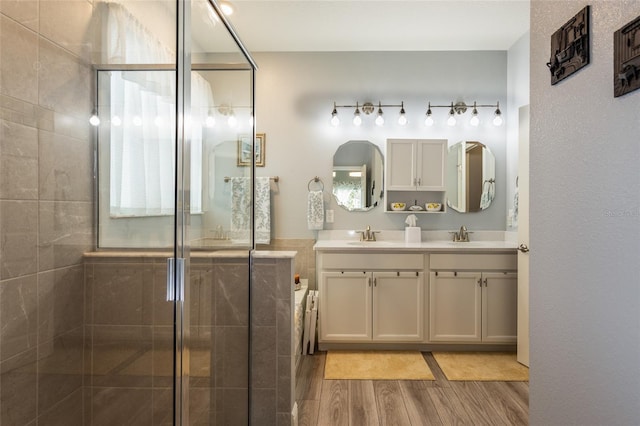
[(305, 263), (45, 207), (128, 351)]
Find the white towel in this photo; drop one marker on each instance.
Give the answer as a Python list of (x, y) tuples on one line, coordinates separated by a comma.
[(315, 210), (263, 210), (241, 209)]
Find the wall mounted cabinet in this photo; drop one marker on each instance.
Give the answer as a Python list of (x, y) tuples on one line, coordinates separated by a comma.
[(415, 171)]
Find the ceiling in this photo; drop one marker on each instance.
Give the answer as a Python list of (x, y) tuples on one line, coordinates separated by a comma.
[(379, 25)]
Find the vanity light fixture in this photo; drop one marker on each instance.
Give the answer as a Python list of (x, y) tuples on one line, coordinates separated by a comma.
[(210, 121), (451, 121), (497, 120), (94, 120), (116, 121), (226, 8), (429, 120), (335, 121), (460, 108), (232, 121), (474, 116), (357, 120), (402, 120), (367, 108), (379, 118)]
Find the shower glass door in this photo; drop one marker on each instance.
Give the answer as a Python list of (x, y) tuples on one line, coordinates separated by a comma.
[(167, 299)]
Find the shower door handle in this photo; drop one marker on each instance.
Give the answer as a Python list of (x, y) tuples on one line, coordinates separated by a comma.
[(175, 279)]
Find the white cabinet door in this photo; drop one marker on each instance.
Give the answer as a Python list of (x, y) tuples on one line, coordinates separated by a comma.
[(416, 164), (430, 165), (345, 306), (401, 164), (398, 306), (500, 307), (455, 306)]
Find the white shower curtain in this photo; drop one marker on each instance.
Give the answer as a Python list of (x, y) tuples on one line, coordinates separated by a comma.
[(142, 125)]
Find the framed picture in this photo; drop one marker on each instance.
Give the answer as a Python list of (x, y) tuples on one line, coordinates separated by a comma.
[(244, 150)]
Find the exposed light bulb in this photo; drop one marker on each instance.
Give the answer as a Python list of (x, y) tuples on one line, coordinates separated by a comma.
[(429, 120), (210, 121), (451, 121), (474, 118), (380, 118), (402, 120), (497, 120), (357, 120), (251, 120), (226, 8), (116, 121), (335, 121), (232, 121), (94, 120)]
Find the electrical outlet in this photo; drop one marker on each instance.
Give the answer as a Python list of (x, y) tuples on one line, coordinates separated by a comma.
[(328, 215)]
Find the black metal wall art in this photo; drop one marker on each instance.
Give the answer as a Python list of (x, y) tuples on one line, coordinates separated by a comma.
[(570, 47), (626, 58)]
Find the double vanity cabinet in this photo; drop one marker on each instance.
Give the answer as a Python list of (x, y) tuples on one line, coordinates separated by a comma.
[(390, 294)]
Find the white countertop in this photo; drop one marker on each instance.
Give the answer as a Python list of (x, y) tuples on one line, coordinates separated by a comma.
[(432, 241)]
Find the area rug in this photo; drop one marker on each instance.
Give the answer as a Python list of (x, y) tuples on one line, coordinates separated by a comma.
[(481, 366), (376, 365)]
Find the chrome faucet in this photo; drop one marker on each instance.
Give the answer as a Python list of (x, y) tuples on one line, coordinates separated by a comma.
[(368, 234), (462, 235)]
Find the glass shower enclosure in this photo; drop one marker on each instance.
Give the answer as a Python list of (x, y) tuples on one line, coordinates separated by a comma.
[(167, 290)]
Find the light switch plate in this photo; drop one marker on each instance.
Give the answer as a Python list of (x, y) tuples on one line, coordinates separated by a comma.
[(328, 215)]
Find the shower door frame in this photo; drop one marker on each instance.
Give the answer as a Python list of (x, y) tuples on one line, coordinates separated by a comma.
[(182, 187), (178, 266)]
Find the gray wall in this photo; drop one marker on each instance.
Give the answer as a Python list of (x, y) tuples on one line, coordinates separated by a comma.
[(585, 223), (295, 95)]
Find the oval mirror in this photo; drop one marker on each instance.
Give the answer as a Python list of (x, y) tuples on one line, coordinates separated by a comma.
[(358, 176), (471, 177)]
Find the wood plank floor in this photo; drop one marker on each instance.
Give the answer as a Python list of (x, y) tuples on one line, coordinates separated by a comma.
[(406, 402)]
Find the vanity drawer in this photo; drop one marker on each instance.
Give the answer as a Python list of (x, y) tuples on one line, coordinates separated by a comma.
[(373, 261), (474, 262)]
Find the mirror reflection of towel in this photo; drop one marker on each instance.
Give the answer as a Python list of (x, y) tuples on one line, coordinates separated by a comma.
[(315, 210)]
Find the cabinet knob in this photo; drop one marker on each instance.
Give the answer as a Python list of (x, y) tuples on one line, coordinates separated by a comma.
[(523, 248)]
